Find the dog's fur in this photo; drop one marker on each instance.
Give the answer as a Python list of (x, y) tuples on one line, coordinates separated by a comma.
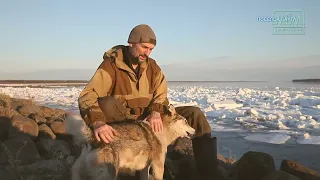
[(136, 148)]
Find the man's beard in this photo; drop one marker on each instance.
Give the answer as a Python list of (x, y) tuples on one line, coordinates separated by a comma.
[(136, 60)]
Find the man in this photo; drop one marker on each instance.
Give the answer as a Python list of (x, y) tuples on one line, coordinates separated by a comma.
[(129, 84)]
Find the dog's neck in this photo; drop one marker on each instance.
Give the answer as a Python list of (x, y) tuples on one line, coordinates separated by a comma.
[(166, 137)]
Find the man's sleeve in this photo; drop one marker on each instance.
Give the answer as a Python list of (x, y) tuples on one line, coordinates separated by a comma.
[(98, 86), (160, 100)]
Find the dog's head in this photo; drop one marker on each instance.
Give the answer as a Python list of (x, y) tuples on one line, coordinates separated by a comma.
[(177, 123)]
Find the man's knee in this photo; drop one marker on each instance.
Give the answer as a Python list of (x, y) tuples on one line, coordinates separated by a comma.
[(196, 118)]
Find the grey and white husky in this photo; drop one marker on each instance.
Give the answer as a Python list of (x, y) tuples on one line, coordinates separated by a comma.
[(135, 148)]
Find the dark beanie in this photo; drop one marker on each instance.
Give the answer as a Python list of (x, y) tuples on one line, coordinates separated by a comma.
[(142, 34)]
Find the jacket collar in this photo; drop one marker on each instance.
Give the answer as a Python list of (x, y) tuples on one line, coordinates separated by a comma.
[(117, 53)]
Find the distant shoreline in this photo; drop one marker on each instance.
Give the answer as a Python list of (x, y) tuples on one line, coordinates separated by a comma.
[(84, 81), (306, 80)]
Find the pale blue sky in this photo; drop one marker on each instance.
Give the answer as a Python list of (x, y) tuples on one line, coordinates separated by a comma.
[(74, 34)]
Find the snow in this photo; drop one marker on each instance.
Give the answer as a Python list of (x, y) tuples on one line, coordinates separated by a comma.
[(272, 114), (268, 138)]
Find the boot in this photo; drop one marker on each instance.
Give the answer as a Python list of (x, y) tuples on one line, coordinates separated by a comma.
[(205, 155)]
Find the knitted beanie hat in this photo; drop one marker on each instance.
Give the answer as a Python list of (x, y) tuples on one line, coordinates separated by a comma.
[(142, 34)]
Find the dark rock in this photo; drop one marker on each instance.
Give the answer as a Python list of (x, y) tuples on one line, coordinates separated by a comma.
[(46, 170), (22, 126), (53, 149), (4, 127), (18, 151), (180, 148), (280, 175), (6, 174), (253, 166), (298, 170)]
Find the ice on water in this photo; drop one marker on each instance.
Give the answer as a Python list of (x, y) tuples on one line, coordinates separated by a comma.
[(272, 115)]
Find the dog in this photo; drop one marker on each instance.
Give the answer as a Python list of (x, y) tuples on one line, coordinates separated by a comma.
[(136, 147)]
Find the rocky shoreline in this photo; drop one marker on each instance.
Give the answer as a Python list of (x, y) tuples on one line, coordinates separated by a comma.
[(35, 145)]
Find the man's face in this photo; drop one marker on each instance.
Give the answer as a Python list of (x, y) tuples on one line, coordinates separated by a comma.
[(141, 51)]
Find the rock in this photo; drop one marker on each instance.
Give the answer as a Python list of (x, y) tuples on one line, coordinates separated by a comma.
[(37, 118), (18, 103), (46, 170), (26, 110), (252, 166), (22, 126), (280, 175), (7, 174), (59, 113), (53, 149), (49, 112), (4, 127), (46, 132), (58, 128), (180, 163), (186, 169), (180, 148), (298, 170), (53, 119), (5, 101), (18, 151)]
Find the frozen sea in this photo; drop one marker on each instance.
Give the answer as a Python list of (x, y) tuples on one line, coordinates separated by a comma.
[(279, 118)]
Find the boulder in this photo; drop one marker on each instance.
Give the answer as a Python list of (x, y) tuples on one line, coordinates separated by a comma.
[(23, 126), (53, 149), (18, 103), (38, 118), (4, 127), (18, 151), (280, 175), (5, 101), (253, 166), (298, 170), (26, 110), (45, 132)]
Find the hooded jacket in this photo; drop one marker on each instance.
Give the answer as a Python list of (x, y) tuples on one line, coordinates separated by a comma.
[(139, 93)]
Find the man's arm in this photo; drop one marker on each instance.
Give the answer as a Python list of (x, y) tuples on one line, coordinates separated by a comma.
[(99, 85), (160, 99)]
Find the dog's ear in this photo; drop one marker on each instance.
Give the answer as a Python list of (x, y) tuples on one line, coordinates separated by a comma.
[(172, 110)]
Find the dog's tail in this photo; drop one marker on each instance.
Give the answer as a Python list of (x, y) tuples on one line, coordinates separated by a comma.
[(78, 129)]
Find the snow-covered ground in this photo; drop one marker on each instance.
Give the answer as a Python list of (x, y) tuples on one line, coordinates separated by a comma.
[(273, 115)]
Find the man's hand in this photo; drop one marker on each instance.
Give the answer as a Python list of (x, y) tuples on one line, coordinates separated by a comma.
[(104, 131), (155, 122)]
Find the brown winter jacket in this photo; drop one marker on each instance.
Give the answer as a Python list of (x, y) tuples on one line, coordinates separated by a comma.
[(145, 93)]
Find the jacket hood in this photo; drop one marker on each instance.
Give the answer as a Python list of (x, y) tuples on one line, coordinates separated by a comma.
[(113, 52)]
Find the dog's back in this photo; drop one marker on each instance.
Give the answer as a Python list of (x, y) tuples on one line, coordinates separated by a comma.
[(132, 149)]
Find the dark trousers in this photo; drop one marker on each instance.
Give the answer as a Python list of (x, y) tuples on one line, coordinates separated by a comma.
[(114, 111)]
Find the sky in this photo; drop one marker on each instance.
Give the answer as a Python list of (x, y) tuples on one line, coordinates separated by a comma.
[(52, 35)]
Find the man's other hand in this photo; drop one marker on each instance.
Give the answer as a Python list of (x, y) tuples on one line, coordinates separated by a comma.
[(155, 122), (104, 131)]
